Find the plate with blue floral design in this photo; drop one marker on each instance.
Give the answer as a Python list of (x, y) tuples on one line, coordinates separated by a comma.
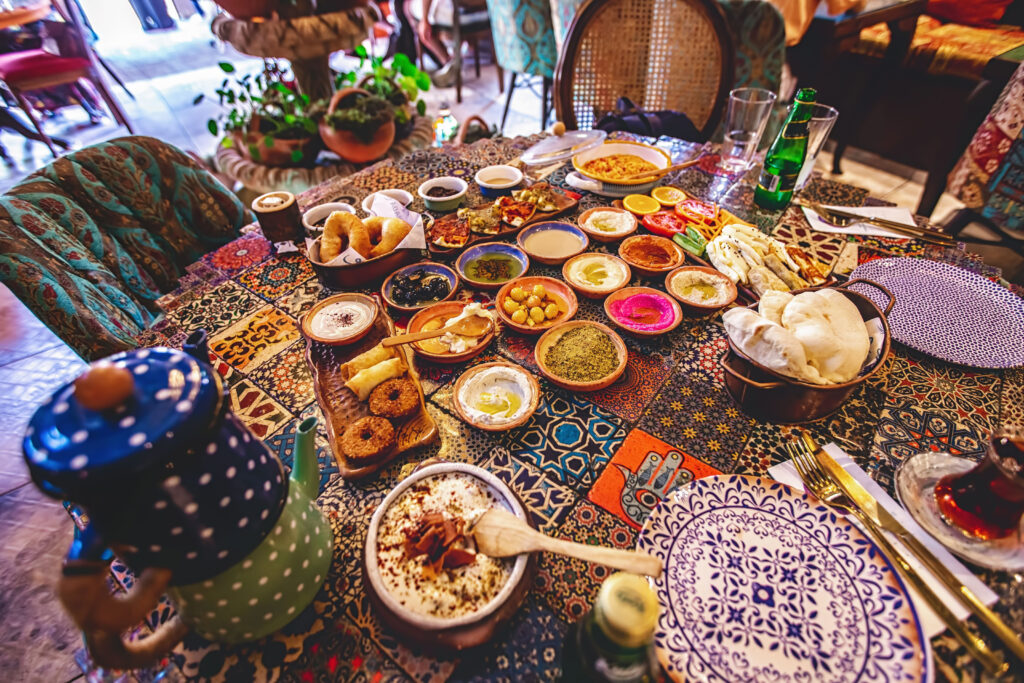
[(764, 583)]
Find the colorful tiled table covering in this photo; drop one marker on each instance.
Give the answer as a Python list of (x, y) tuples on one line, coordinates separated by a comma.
[(589, 467)]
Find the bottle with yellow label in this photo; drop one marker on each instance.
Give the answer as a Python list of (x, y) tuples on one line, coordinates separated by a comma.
[(614, 642)]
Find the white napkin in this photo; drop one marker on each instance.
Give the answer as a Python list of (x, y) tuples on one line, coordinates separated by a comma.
[(892, 213), (385, 207), (930, 623)]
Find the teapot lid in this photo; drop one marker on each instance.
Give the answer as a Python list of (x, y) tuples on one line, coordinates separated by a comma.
[(174, 399)]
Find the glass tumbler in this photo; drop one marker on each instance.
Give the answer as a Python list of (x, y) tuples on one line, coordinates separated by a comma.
[(745, 120), (823, 117)]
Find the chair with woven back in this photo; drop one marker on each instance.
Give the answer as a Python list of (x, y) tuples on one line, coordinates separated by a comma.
[(661, 54), (90, 242)]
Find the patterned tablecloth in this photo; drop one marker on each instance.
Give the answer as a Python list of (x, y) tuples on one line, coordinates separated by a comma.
[(576, 462)]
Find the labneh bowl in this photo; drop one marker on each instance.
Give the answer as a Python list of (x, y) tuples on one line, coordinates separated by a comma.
[(468, 630), (600, 235)]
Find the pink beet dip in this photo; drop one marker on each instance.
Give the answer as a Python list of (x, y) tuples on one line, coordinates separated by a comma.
[(644, 312)]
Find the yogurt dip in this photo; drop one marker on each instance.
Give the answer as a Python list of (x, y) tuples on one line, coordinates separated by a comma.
[(342, 319), (644, 312), (701, 288), (496, 396), (450, 592), (609, 222), (597, 272)]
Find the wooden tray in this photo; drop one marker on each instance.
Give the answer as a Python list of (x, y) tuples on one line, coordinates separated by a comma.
[(507, 230), (341, 407)]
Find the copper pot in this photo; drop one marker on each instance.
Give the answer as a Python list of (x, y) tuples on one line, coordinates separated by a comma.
[(770, 396), (345, 143)]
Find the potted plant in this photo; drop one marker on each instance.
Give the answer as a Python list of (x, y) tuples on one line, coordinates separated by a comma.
[(265, 118), (399, 82), (358, 126)]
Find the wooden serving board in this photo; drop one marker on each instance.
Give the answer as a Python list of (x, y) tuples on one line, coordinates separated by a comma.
[(341, 407), (571, 202)]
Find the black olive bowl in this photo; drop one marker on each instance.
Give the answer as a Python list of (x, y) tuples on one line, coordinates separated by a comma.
[(436, 272)]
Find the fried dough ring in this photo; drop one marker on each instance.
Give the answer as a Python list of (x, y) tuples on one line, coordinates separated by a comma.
[(366, 439), (339, 226), (389, 231)]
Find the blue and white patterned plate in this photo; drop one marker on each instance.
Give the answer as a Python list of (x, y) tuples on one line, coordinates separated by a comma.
[(949, 313), (763, 583)]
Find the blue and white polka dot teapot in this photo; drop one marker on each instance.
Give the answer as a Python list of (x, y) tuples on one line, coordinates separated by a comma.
[(185, 495)]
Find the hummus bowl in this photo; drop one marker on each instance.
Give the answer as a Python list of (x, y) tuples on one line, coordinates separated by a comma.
[(596, 275), (491, 384), (495, 588), (700, 289), (609, 225)]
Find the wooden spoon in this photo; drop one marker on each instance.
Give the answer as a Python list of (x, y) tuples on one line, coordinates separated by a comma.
[(499, 533), (654, 175), (473, 326)]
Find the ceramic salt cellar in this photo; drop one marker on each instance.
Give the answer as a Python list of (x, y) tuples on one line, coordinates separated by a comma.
[(185, 495)]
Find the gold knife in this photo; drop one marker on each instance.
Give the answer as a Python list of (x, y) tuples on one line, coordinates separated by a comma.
[(880, 516), (914, 230)]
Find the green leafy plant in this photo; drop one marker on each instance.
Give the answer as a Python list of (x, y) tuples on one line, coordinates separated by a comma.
[(262, 109), (399, 82), (362, 115)]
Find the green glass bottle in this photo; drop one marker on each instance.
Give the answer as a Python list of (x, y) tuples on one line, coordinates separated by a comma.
[(786, 156), (614, 642)]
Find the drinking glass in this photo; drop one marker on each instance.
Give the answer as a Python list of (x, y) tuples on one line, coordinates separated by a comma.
[(823, 117), (974, 509), (745, 121)]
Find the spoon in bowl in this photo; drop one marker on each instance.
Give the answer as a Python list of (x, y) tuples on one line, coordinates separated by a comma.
[(473, 326), (499, 533)]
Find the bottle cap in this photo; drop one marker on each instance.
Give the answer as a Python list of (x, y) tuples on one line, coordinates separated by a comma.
[(807, 95), (627, 610)]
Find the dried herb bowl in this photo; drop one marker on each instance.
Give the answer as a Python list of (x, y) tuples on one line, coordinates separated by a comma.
[(552, 336)]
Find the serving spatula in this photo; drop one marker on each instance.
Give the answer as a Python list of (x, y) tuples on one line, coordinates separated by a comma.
[(473, 326), (499, 533)]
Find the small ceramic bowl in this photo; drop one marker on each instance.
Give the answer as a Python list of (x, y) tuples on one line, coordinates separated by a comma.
[(548, 339), (647, 270), (600, 236), (356, 334), (622, 294), (400, 196), (545, 258), (556, 287), (457, 186), (444, 271), (468, 630), (495, 181), (693, 306), (315, 216), (449, 309), (478, 250), (591, 291), (531, 408)]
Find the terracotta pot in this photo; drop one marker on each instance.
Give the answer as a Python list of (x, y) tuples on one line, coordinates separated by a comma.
[(345, 143), (280, 153)]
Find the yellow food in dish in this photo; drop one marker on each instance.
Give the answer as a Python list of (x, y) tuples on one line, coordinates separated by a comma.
[(617, 166), (641, 204)]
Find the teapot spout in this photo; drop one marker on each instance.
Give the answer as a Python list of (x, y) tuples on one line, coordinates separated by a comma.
[(197, 346), (305, 468)]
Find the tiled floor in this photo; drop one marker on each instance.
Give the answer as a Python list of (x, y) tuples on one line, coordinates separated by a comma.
[(164, 71)]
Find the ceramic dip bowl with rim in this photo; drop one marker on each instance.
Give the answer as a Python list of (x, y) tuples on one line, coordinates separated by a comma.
[(431, 611), (495, 181), (553, 242), (315, 217), (454, 188), (400, 196), (596, 275), (424, 272), (340, 319), (643, 310), (473, 263), (607, 223), (700, 289), (496, 396)]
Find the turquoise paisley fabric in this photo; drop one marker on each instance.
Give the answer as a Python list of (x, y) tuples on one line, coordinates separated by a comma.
[(90, 242), (524, 41)]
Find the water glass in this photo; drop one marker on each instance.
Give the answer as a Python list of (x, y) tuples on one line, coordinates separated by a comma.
[(823, 117), (745, 120)]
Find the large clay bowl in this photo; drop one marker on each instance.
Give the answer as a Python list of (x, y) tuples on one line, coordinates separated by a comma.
[(549, 338)]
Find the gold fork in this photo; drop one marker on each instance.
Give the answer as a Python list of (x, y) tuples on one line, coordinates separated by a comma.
[(820, 484)]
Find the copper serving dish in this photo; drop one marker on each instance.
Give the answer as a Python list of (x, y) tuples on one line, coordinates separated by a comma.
[(767, 395)]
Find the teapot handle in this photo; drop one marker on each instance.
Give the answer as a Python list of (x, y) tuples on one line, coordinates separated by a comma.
[(102, 618)]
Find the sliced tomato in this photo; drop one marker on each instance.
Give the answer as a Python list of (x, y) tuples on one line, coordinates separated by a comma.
[(698, 211), (664, 223)]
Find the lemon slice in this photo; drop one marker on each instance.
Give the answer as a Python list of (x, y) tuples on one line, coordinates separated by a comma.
[(641, 204), (668, 196)]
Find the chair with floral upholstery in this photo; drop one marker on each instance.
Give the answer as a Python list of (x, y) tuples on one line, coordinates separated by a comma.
[(90, 242)]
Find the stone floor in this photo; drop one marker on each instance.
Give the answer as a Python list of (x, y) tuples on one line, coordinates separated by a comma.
[(164, 71)]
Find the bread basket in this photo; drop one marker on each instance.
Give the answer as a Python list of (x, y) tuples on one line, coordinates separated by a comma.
[(768, 395)]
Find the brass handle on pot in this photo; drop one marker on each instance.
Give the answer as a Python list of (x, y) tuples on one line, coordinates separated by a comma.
[(743, 378), (872, 283), (102, 617)]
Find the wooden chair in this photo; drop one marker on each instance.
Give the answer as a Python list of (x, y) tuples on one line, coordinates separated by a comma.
[(662, 54), (28, 70)]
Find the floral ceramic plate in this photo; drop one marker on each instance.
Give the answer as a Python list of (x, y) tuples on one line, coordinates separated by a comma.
[(763, 583)]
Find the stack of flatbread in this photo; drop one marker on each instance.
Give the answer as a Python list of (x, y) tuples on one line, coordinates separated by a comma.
[(817, 337)]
